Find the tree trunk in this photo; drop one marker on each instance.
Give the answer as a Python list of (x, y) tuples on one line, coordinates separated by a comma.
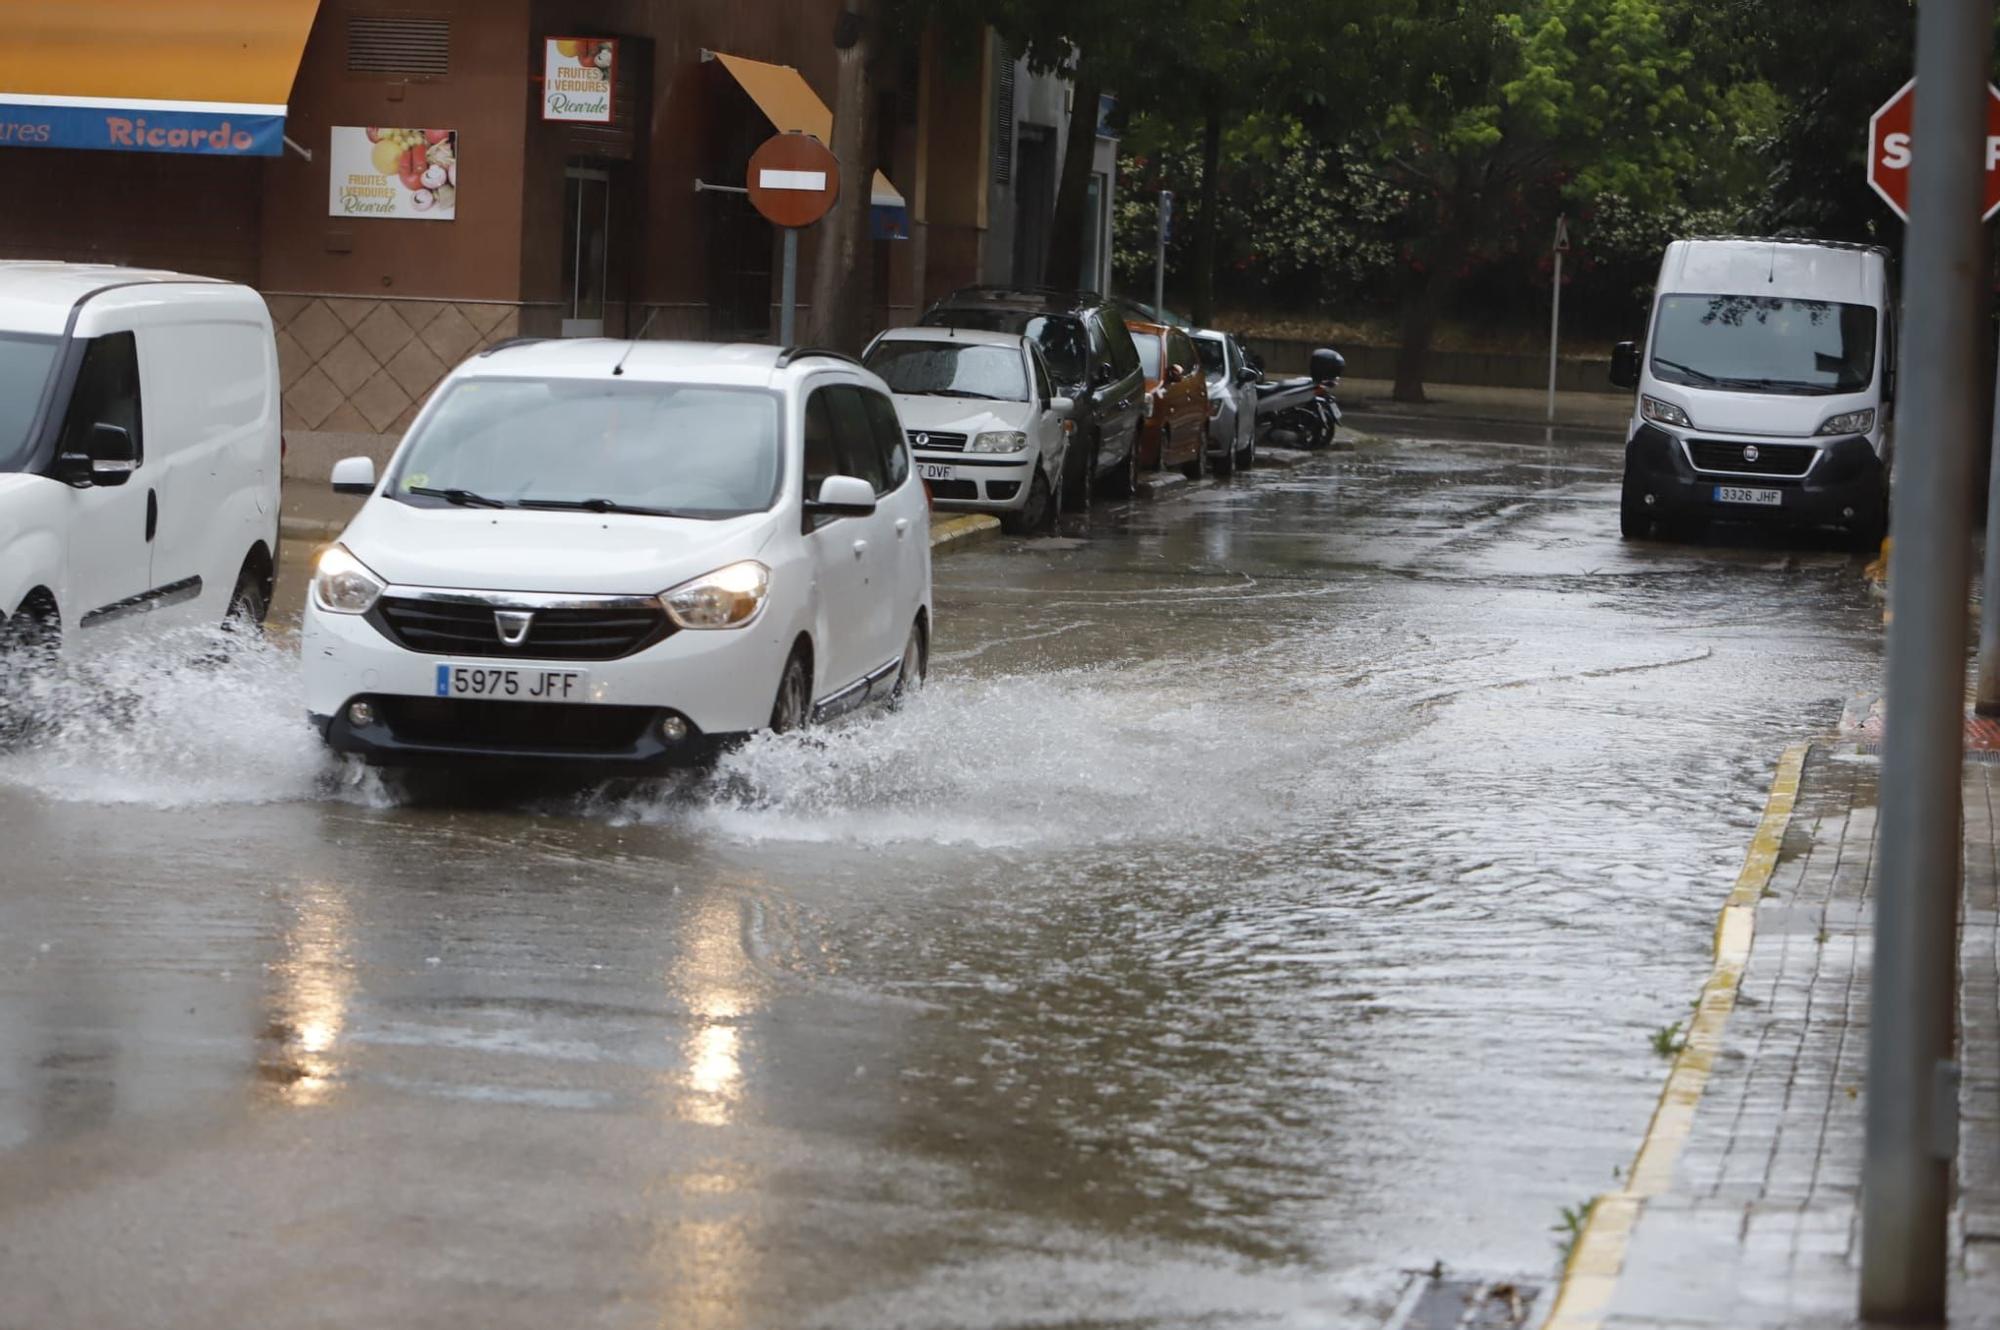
[(1069, 231), (1422, 296), (843, 278), (1201, 296)]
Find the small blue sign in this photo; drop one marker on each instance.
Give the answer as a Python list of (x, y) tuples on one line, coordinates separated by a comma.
[(444, 681), (115, 128)]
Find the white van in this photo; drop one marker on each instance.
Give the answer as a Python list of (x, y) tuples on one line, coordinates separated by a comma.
[(139, 452), (1764, 390)]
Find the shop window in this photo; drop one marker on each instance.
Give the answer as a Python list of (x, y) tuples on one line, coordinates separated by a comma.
[(394, 44)]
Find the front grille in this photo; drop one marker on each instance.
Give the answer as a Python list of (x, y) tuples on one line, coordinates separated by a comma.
[(559, 727), (953, 489), (1772, 459), (595, 633), (924, 440)]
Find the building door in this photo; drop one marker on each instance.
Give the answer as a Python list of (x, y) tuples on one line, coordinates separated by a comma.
[(1034, 202), (586, 250)]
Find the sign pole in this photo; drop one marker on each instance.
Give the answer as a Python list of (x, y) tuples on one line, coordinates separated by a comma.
[(788, 307), (1912, 1080), (1561, 247), (1160, 255), (1988, 703)]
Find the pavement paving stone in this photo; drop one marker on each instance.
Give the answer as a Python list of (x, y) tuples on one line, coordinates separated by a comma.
[(1760, 1225)]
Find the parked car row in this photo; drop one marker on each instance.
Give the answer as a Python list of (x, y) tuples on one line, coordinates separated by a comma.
[(1018, 401)]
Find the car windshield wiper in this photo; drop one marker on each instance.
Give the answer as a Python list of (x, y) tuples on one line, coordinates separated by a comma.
[(462, 498), (1701, 374), (966, 392), (606, 506)]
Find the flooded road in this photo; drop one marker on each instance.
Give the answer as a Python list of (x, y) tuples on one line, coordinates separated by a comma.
[(1272, 894)]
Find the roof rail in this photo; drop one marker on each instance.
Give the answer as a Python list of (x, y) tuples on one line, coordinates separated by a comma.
[(510, 342), (1853, 245), (795, 353)]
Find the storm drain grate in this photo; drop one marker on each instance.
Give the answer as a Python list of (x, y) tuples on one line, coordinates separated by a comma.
[(1435, 1302)]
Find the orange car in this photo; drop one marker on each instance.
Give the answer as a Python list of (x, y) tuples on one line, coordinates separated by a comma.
[(1176, 426)]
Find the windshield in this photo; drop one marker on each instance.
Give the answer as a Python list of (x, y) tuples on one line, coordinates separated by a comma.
[(24, 372), (685, 451), (1149, 353), (1212, 361), (1764, 344), (947, 369), (1061, 339)]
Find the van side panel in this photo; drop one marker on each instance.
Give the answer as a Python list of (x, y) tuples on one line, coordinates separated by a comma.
[(211, 390)]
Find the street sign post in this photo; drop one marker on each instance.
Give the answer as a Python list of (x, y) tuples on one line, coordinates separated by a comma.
[(1892, 142), (1160, 255), (793, 180), (1560, 247)]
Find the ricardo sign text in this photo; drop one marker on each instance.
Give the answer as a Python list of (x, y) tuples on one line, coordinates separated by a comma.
[(578, 74), (377, 172)]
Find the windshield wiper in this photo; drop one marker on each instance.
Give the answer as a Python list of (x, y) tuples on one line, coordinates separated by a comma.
[(462, 498), (966, 392), (605, 506), (1700, 374)]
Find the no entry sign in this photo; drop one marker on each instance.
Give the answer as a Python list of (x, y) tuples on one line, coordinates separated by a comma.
[(793, 180), (1890, 144)]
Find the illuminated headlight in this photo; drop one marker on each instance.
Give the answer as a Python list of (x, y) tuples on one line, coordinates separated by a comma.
[(726, 598), (1850, 422), (999, 441), (1666, 413), (342, 584)]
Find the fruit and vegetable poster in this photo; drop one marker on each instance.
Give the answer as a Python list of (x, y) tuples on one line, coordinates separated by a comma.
[(577, 77), (406, 173)]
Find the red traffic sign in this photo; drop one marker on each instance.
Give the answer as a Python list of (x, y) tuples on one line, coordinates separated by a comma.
[(793, 180), (1890, 142)]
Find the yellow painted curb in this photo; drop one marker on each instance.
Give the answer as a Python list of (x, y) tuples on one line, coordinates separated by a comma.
[(1597, 1258), (961, 529)]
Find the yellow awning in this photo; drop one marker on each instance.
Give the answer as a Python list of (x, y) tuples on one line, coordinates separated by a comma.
[(790, 104), (244, 51), (208, 76)]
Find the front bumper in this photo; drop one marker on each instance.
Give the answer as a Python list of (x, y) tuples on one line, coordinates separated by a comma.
[(1845, 486), (983, 482), (722, 683)]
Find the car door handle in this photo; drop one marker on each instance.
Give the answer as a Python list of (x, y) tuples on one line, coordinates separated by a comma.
[(902, 527), (152, 514), (860, 548)]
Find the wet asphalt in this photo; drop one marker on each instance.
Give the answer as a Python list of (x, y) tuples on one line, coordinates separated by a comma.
[(1274, 892)]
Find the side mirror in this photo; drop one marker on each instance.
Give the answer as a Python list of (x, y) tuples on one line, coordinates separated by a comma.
[(1247, 375), (1175, 374), (1625, 365), (1062, 406), (110, 462), (1102, 374), (843, 496), (1327, 365), (354, 475)]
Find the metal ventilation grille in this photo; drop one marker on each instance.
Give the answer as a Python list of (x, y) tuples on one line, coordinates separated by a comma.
[(1003, 135), (420, 47)]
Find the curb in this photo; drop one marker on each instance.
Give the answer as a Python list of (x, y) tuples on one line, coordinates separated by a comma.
[(1590, 1276), (1154, 484), (951, 534)]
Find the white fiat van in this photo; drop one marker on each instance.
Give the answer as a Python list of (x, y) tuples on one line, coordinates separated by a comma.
[(139, 453), (1764, 389)]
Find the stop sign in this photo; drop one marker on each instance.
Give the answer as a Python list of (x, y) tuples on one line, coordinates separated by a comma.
[(1889, 144)]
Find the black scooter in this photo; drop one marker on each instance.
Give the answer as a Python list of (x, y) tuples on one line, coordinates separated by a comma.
[(1312, 423)]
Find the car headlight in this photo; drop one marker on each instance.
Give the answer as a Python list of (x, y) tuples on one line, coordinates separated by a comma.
[(726, 598), (999, 441), (342, 584), (1850, 422), (1666, 413)]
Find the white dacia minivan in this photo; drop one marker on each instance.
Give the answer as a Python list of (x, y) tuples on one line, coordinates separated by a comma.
[(1765, 386), (139, 453)]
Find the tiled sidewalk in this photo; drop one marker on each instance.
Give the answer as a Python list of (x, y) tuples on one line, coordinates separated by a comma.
[(1760, 1226)]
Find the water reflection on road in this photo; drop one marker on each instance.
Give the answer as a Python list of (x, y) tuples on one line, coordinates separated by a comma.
[(1274, 891)]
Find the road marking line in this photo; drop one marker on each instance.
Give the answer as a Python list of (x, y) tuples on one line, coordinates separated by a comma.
[(1597, 1258)]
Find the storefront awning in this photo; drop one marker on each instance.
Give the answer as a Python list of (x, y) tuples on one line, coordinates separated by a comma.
[(791, 106), (147, 76)]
